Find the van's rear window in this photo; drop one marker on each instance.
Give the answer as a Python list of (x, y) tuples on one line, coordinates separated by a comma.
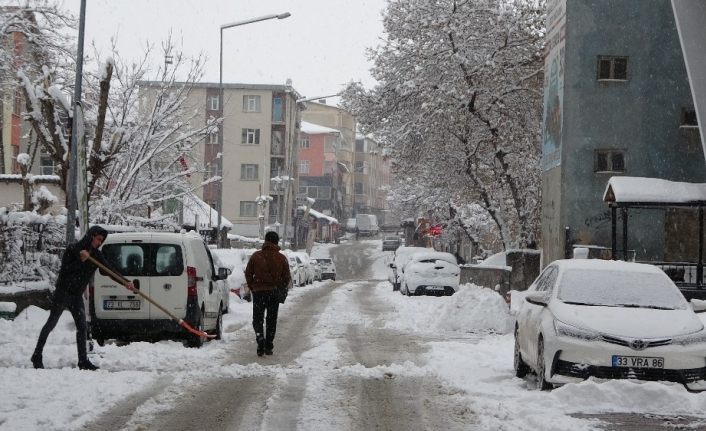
[(135, 260)]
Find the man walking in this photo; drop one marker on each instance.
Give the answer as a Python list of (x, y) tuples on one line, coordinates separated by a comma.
[(74, 275), (266, 271)]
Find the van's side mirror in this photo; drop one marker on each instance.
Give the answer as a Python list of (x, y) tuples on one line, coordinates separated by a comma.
[(698, 305), (222, 273)]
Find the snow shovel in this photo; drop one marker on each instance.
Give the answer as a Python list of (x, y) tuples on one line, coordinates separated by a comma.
[(124, 282)]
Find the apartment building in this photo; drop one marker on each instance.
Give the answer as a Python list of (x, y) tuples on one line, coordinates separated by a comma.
[(339, 119), (260, 136), (320, 174), (617, 103), (371, 178)]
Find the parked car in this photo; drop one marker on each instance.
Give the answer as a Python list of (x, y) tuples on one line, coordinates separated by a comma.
[(224, 287), (307, 266), (611, 320), (390, 243), (296, 268), (402, 254), (328, 268), (174, 269), (430, 273), (350, 225), (317, 269)]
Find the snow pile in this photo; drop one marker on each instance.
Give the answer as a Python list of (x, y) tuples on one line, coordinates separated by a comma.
[(472, 309)]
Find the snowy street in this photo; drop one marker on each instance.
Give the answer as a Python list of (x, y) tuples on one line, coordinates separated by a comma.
[(349, 355)]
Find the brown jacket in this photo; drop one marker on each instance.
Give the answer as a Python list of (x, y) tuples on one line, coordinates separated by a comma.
[(267, 269)]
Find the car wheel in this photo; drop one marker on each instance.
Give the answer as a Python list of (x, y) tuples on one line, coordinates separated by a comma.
[(195, 340), (542, 383), (100, 341), (521, 368)]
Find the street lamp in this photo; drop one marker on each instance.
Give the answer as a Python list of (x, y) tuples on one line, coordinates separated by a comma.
[(220, 104)]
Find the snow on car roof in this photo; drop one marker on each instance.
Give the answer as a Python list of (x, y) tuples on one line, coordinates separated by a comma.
[(610, 265), (439, 255)]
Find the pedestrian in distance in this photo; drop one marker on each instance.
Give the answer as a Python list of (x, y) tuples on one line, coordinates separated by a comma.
[(266, 272), (74, 275)]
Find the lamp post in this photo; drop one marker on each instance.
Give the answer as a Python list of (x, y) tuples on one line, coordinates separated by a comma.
[(220, 105)]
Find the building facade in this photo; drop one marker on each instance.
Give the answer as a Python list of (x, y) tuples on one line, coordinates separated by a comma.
[(371, 173), (320, 174), (259, 134), (343, 121), (617, 102)]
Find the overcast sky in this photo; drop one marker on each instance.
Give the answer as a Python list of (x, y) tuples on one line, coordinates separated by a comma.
[(320, 47)]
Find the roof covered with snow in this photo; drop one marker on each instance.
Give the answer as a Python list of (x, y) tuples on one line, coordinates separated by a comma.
[(208, 217), (655, 191), (315, 129), (320, 216)]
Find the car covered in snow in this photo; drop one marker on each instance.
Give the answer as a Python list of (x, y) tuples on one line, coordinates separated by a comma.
[(224, 287), (328, 268), (296, 268), (402, 255), (430, 273), (611, 320)]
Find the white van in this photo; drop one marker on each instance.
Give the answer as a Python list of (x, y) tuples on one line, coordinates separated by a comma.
[(174, 269)]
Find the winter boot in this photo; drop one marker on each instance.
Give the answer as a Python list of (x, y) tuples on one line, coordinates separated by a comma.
[(37, 360), (268, 347), (86, 365), (260, 346)]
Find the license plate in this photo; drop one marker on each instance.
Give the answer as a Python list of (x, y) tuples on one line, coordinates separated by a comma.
[(638, 361), (435, 287), (124, 304)]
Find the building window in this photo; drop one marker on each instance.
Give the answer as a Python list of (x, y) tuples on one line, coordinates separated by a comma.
[(688, 118), (248, 209), (303, 140), (360, 167), (17, 108), (15, 164), (360, 145), (213, 102), (304, 166), (251, 103), (359, 188), (612, 68), (47, 166), (277, 109), (248, 172), (324, 192), (609, 161), (213, 137), (251, 136), (212, 169)]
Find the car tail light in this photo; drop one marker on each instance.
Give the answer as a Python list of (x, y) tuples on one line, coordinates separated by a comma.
[(191, 281)]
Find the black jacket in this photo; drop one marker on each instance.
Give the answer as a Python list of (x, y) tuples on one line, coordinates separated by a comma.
[(74, 275)]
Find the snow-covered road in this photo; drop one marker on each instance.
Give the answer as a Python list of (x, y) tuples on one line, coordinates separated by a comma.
[(349, 355)]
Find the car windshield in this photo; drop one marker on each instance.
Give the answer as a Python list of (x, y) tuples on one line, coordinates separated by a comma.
[(620, 289)]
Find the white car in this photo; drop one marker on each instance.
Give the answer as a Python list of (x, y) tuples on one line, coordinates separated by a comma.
[(402, 255), (308, 267), (317, 269), (610, 320), (430, 273), (328, 268), (296, 269), (174, 269)]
